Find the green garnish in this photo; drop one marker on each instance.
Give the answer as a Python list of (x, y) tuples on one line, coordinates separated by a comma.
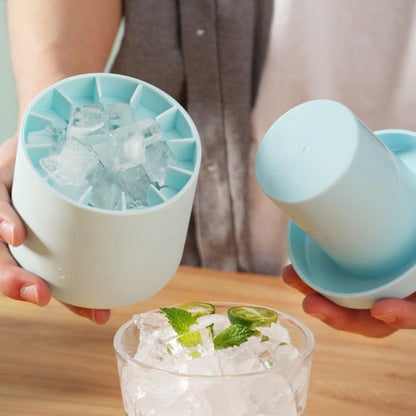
[(197, 309), (232, 336), (264, 338), (210, 327), (252, 316), (190, 339), (180, 320)]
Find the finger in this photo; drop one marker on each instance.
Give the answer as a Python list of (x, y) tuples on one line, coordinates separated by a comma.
[(291, 278), (397, 313), (12, 230), (358, 321), (19, 284), (7, 160), (99, 316)]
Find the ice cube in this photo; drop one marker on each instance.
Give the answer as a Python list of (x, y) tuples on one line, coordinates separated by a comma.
[(240, 360), (155, 332), (285, 353), (300, 386), (89, 124), (220, 322), (192, 345), (158, 158), (151, 392), (271, 394), (149, 129), (150, 321), (74, 193), (154, 324), (72, 165), (130, 203), (53, 136), (135, 182), (154, 352), (277, 332), (127, 150), (50, 164), (119, 114), (228, 397), (277, 354), (207, 365), (104, 152), (106, 191)]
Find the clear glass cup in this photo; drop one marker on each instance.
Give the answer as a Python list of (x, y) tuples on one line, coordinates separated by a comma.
[(279, 391)]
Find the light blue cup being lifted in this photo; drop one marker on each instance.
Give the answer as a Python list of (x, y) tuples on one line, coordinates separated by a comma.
[(351, 198), (101, 258)]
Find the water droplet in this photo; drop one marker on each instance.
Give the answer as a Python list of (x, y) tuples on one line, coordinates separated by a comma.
[(61, 273)]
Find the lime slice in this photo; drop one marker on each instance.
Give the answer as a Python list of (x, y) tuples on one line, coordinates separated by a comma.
[(252, 316), (197, 309)]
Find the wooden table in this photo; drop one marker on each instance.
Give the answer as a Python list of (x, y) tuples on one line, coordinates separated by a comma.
[(55, 363)]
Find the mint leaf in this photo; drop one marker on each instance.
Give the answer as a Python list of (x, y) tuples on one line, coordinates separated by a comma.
[(231, 336), (210, 328), (179, 319)]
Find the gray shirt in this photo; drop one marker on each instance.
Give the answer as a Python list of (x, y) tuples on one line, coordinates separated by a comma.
[(208, 54)]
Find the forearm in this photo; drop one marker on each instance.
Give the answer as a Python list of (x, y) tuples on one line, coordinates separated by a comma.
[(53, 39)]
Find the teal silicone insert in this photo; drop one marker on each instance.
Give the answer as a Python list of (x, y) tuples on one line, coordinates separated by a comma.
[(53, 108), (321, 273)]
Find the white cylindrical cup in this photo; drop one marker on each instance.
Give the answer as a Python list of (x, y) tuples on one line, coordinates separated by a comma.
[(93, 257), (339, 183)]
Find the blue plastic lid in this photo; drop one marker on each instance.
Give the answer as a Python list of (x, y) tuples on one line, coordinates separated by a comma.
[(321, 273)]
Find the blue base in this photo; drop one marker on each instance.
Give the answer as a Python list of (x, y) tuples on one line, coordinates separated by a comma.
[(321, 273)]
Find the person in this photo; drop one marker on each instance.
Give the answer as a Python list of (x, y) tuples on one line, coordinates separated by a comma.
[(209, 55)]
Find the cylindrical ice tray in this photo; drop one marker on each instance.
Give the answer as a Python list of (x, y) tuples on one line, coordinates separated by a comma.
[(94, 257)]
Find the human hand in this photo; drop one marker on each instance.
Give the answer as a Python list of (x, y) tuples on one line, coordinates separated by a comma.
[(15, 282), (385, 316)]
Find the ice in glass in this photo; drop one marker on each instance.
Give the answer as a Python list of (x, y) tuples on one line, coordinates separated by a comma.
[(214, 360)]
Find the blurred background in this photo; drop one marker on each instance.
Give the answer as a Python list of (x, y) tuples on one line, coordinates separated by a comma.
[(8, 101)]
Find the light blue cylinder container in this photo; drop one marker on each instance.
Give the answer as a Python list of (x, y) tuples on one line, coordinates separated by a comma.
[(93, 257), (351, 198)]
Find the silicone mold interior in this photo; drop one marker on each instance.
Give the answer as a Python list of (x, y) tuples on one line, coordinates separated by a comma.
[(53, 108)]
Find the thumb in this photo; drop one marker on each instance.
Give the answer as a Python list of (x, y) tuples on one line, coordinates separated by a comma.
[(397, 313), (12, 230)]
